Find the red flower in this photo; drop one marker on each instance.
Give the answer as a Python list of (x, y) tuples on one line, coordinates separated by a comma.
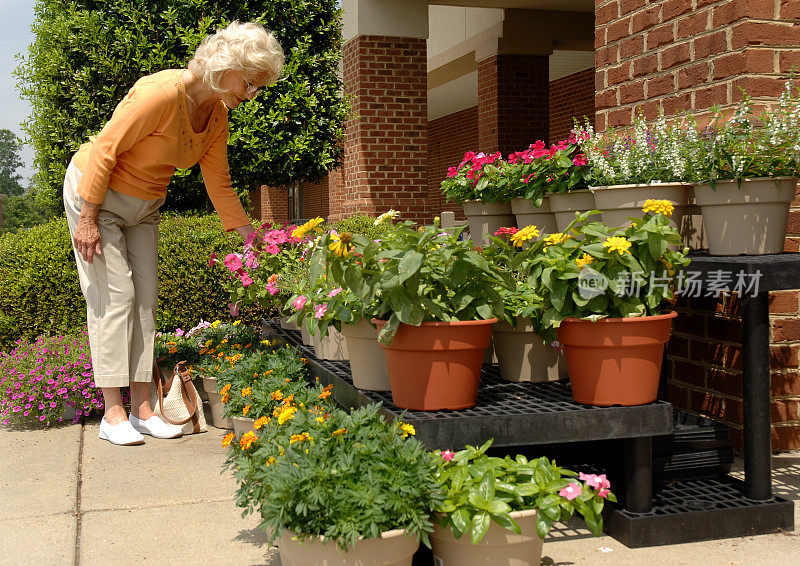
[(580, 159)]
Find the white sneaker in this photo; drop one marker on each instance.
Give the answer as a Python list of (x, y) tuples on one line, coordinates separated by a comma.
[(155, 427), (123, 433)]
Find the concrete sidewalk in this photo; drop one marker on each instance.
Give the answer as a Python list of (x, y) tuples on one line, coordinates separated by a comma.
[(67, 497)]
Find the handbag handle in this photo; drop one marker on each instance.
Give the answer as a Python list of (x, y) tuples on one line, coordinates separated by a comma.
[(189, 399)]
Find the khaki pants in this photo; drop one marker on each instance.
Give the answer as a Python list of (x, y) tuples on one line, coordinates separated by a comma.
[(121, 285)]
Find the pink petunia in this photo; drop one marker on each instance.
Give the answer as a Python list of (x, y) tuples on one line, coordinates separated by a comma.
[(299, 302), (603, 492), (272, 288), (572, 491), (447, 455), (179, 332), (272, 249), (233, 262), (251, 261), (334, 292), (320, 310), (246, 280)]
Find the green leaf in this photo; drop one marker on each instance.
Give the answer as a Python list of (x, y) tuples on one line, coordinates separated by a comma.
[(480, 525), (409, 265)]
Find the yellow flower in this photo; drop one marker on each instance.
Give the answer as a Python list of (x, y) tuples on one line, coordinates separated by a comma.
[(237, 323), (261, 421), (285, 414), (340, 245), (216, 323), (225, 389), (339, 432), (557, 238), (247, 439), (301, 231), (320, 419), (224, 341), (391, 213), (303, 437), (585, 260), (245, 410), (247, 391), (617, 244), (228, 439), (270, 460), (521, 236), (225, 398), (276, 395), (209, 342), (265, 342), (664, 207), (407, 429)]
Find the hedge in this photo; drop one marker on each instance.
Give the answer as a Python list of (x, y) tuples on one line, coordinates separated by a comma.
[(40, 293)]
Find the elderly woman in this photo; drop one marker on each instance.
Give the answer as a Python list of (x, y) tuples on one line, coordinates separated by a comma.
[(115, 185)]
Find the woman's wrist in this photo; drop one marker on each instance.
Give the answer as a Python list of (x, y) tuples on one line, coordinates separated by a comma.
[(245, 231)]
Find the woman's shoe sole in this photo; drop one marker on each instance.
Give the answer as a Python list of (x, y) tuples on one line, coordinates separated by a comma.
[(134, 443)]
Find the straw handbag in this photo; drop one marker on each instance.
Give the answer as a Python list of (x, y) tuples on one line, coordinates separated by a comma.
[(176, 401)]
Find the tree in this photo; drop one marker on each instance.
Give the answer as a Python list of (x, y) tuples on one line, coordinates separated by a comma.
[(87, 54), (10, 161)]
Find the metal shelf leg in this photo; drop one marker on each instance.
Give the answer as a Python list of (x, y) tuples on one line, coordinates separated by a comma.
[(756, 396), (639, 474)]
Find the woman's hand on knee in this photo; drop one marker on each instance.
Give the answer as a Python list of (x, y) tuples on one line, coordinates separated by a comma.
[(87, 240)]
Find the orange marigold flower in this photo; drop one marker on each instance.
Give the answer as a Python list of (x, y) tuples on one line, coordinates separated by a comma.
[(245, 410), (270, 460), (287, 380), (276, 395), (173, 350), (289, 399), (339, 432), (225, 389), (226, 398), (302, 437), (228, 439), (247, 439), (272, 278), (247, 391), (261, 421)]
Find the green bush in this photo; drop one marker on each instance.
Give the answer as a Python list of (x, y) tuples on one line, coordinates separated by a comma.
[(87, 54), (40, 293)]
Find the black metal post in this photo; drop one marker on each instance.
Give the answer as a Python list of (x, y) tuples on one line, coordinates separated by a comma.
[(639, 474), (756, 389)]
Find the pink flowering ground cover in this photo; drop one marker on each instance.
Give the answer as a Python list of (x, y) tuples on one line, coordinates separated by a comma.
[(41, 380)]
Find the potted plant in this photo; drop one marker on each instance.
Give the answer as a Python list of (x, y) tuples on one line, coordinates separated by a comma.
[(745, 171), (498, 510), (539, 172), (606, 291), (435, 301), (478, 185), (337, 486), (522, 354), (628, 166)]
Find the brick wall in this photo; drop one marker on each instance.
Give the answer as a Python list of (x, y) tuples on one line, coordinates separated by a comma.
[(690, 54), (270, 204), (386, 146), (570, 97), (449, 138), (513, 97), (316, 195)]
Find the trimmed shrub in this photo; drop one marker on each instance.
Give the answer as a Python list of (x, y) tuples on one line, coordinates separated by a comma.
[(40, 293)]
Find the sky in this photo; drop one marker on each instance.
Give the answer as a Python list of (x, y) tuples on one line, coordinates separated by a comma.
[(16, 18)]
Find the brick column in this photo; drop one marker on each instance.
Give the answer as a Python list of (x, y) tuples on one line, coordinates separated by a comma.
[(270, 204), (690, 55), (513, 101), (386, 149)]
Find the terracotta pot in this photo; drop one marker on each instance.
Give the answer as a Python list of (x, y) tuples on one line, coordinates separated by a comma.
[(565, 205), (286, 325), (215, 402), (618, 202), (367, 360), (241, 425), (527, 214), (305, 336), (750, 220), (522, 356), (615, 361), (332, 347), (437, 365), (486, 218), (499, 547), (394, 548)]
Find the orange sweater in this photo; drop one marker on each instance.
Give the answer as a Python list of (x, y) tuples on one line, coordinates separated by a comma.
[(147, 137)]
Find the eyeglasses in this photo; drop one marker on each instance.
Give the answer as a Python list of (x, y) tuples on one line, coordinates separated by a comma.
[(251, 89)]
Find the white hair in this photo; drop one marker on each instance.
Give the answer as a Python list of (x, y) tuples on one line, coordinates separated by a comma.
[(238, 47)]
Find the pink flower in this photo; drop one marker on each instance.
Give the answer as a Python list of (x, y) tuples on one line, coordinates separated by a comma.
[(572, 491), (179, 332), (505, 230), (233, 262), (234, 309), (275, 237), (603, 492), (299, 302), (246, 280), (212, 260), (272, 249), (557, 345), (335, 292), (320, 310), (272, 288), (251, 261), (579, 160), (527, 178), (447, 455), (573, 137), (452, 171)]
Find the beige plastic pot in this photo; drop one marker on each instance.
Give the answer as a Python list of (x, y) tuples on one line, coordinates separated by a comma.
[(215, 402), (367, 360), (241, 425), (618, 202), (500, 547), (750, 220), (522, 356), (565, 205), (305, 335), (332, 347), (486, 218), (286, 325), (526, 214), (394, 548)]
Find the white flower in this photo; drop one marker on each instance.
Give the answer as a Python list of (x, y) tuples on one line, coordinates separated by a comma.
[(391, 213)]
